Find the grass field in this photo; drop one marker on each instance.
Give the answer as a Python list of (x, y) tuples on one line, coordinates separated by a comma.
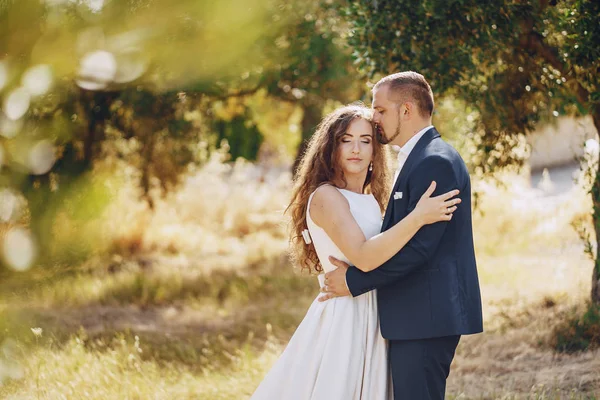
[(198, 299)]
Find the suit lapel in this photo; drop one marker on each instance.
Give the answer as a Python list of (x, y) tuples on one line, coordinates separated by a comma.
[(414, 155), (388, 211)]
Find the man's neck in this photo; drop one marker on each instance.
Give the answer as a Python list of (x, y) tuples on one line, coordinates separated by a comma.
[(424, 125), (401, 140)]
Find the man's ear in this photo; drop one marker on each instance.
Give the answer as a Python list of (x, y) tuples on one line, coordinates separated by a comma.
[(408, 110)]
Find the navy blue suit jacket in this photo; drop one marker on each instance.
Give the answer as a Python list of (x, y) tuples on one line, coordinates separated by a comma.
[(429, 288)]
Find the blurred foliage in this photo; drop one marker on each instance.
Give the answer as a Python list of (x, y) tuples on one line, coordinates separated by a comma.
[(242, 135), (317, 66), (84, 81), (514, 62), (149, 84)]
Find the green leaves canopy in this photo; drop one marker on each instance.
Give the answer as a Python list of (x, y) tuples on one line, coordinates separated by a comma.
[(515, 61)]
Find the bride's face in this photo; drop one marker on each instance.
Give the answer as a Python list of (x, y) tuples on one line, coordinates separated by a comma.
[(355, 150)]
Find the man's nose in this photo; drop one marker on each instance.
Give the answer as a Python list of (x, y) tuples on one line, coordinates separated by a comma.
[(376, 117)]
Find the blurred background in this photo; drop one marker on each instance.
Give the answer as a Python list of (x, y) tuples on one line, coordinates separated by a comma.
[(147, 150)]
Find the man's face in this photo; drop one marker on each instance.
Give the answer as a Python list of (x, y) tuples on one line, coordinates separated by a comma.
[(386, 116)]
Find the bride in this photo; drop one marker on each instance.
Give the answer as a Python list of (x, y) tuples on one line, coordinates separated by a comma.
[(337, 352)]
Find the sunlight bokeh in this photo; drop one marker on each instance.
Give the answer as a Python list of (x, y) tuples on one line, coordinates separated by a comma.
[(19, 249)]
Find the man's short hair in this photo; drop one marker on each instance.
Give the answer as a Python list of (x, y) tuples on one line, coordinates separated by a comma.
[(406, 86)]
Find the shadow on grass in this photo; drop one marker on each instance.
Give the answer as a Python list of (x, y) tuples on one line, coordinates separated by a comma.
[(197, 320)]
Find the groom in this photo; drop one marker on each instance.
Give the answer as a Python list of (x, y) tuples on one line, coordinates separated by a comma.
[(428, 293)]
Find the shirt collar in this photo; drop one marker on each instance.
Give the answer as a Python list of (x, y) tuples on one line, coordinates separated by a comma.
[(410, 145), (404, 151)]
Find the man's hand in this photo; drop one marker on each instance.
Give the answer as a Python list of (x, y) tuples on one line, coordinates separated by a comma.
[(335, 281)]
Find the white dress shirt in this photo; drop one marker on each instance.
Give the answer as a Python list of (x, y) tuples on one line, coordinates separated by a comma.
[(404, 151)]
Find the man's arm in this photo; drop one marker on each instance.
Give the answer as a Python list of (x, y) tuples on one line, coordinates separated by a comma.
[(423, 245)]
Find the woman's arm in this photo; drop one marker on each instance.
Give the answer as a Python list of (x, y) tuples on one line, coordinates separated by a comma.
[(330, 210)]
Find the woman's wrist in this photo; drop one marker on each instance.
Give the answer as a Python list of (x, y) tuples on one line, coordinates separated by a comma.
[(418, 216)]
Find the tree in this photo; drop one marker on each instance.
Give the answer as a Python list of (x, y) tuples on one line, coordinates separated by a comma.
[(515, 61), (317, 68), (305, 63)]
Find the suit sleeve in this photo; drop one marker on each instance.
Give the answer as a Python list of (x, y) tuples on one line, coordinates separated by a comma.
[(419, 250)]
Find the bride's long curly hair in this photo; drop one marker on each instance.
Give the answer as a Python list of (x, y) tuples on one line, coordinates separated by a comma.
[(319, 165)]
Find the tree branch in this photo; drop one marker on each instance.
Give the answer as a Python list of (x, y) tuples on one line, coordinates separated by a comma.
[(239, 93), (535, 42)]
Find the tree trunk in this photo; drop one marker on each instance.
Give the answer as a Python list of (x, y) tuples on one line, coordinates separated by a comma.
[(148, 131), (97, 107), (596, 202), (310, 120)]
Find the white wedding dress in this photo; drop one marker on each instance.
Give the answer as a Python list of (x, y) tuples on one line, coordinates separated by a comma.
[(337, 352)]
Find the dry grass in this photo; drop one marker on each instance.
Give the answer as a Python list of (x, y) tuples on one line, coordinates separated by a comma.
[(224, 217), (117, 370), (205, 286), (516, 359)]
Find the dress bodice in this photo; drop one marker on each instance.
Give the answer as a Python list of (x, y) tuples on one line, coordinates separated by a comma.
[(366, 212)]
